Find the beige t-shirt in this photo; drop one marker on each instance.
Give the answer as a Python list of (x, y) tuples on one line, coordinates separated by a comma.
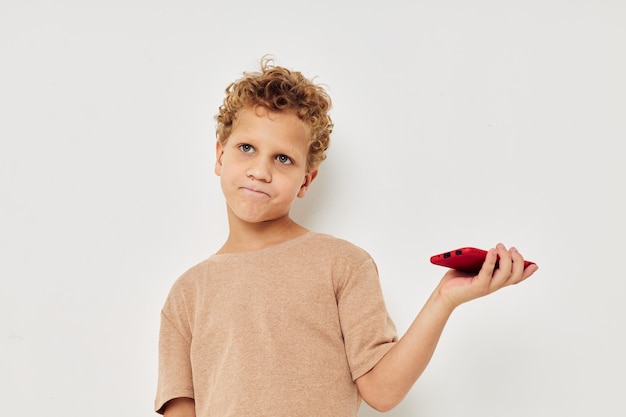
[(283, 331)]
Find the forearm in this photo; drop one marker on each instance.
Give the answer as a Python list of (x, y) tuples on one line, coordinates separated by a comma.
[(389, 381), (394, 375)]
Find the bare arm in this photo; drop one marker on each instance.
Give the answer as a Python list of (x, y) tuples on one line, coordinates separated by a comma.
[(180, 407), (390, 380)]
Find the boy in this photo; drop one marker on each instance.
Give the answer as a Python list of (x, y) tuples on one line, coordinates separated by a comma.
[(284, 321)]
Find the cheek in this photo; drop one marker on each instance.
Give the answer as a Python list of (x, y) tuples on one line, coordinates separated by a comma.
[(227, 166), (296, 186), (226, 175)]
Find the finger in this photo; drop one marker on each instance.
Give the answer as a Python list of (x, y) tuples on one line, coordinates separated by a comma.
[(517, 270), (528, 271), (503, 273), (489, 264), (484, 277)]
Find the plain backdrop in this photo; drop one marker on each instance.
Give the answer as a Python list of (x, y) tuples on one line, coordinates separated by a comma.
[(457, 123)]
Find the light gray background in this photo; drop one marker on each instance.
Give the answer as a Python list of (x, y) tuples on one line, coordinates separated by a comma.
[(457, 123)]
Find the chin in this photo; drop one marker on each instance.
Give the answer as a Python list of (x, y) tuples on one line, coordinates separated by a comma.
[(264, 219), (249, 215)]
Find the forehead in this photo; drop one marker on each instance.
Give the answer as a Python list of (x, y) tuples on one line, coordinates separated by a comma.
[(260, 123)]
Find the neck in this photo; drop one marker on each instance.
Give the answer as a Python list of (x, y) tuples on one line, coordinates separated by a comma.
[(245, 237)]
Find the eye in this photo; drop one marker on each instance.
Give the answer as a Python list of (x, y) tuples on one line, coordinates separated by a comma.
[(245, 148), (284, 159)]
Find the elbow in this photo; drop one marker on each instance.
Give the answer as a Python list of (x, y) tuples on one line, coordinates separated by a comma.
[(382, 398), (383, 404), (383, 408)]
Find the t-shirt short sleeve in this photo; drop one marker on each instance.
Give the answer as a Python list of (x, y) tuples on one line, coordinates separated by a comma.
[(368, 330), (282, 331), (175, 374)]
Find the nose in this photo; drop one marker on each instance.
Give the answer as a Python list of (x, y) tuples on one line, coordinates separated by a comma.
[(260, 170)]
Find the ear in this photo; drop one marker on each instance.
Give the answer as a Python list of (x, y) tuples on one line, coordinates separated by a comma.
[(219, 152), (308, 179)]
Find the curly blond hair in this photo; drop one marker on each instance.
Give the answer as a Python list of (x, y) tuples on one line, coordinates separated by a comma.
[(279, 89)]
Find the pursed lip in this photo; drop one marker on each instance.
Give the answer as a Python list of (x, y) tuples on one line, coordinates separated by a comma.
[(254, 191)]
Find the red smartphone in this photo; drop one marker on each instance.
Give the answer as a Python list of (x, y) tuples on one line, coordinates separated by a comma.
[(464, 259)]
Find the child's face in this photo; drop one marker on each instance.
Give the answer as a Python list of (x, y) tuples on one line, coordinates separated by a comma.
[(263, 165)]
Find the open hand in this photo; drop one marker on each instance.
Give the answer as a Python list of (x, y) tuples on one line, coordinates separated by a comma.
[(458, 287)]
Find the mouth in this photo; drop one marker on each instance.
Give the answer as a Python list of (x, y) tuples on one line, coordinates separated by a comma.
[(254, 191)]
